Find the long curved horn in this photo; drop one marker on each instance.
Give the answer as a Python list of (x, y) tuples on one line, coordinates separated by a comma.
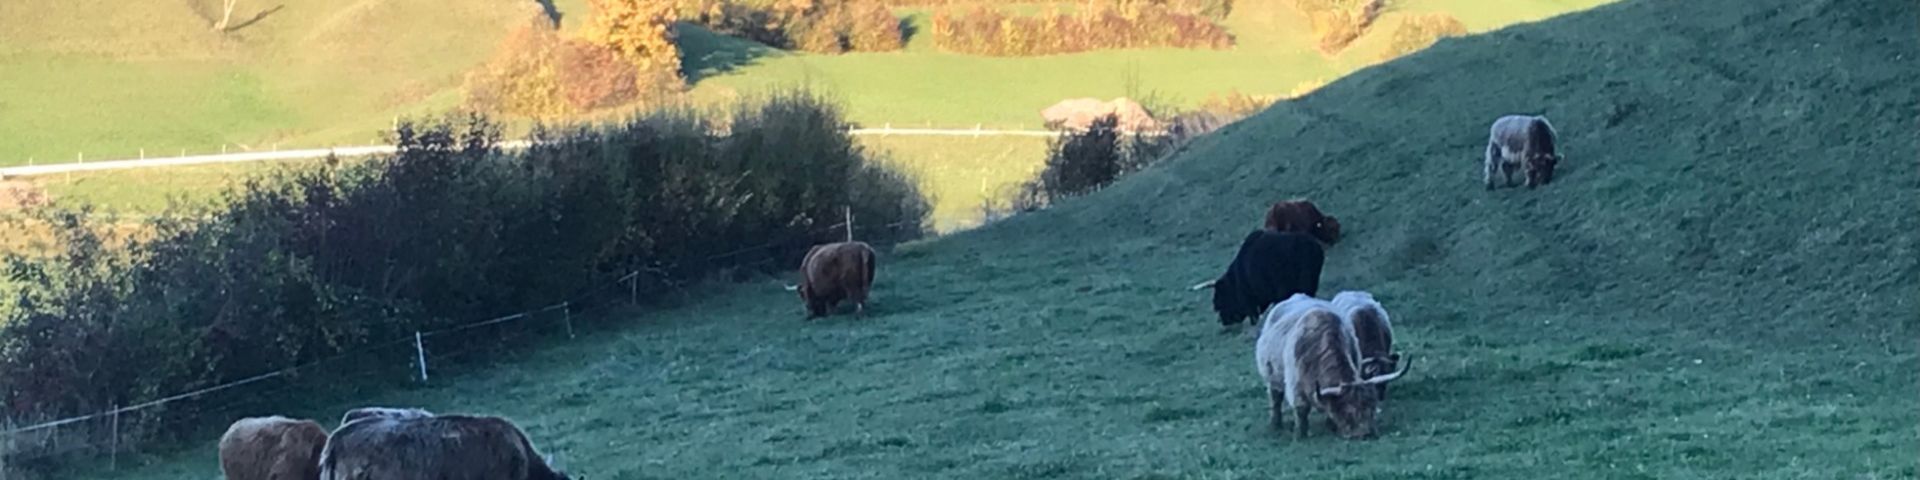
[(1204, 285), (1391, 376)]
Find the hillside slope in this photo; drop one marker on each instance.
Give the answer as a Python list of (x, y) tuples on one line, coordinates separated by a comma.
[(1720, 284)]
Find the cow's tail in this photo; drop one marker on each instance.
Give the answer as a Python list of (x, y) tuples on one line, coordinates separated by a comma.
[(1204, 285)]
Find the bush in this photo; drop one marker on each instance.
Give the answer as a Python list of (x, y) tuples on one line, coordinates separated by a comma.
[(535, 73), (1421, 31), (984, 31), (821, 26), (1337, 23), (1081, 162), (314, 261)]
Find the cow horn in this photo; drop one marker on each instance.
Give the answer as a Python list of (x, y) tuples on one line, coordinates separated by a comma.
[(1390, 376), (1333, 390), (1204, 285), (792, 287)]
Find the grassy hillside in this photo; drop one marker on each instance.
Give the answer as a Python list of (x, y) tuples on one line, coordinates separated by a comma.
[(1720, 284)]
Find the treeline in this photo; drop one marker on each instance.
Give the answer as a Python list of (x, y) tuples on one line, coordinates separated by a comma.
[(1101, 25), (817, 26), (313, 261)]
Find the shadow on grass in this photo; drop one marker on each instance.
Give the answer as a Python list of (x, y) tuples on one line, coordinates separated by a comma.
[(706, 54)]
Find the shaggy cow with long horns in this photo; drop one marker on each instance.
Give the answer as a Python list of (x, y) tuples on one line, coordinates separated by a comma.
[(450, 446), (834, 272), (1306, 358)]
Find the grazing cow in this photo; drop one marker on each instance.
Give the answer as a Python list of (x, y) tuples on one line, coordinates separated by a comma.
[(1269, 266), (442, 446), (1521, 143), (833, 272), (366, 412), (1301, 216), (272, 448), (1372, 330), (1305, 356)]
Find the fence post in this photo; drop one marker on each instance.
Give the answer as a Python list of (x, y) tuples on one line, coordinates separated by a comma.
[(849, 211), (113, 462), (566, 310), (143, 153), (420, 350), (633, 288)]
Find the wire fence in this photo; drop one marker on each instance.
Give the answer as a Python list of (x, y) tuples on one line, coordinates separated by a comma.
[(108, 432)]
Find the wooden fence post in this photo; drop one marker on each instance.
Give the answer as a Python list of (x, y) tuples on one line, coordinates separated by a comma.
[(420, 350)]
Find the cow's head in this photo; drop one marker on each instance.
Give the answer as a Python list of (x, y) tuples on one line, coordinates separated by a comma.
[(1327, 229), (1353, 406)]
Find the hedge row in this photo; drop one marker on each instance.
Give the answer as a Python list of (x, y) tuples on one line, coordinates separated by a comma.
[(821, 26), (310, 262), (985, 31)]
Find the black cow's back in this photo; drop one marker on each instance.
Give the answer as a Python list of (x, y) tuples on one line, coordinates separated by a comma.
[(1269, 267)]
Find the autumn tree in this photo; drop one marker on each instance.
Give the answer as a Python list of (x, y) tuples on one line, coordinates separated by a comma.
[(639, 31)]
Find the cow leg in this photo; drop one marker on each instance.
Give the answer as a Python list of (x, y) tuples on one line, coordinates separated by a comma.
[(1493, 159), (1276, 400), (1300, 416)]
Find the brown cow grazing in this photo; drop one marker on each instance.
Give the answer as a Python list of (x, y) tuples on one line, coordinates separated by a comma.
[(1372, 331), (1306, 357), (272, 448), (388, 412), (1521, 143), (833, 272), (439, 447), (1301, 216)]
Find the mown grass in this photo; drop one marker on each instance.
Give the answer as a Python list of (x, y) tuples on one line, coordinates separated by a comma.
[(1690, 298), (110, 78)]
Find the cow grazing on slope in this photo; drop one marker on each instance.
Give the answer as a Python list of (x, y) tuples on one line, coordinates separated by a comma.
[(1373, 332), (442, 447), (833, 272), (1521, 143), (1301, 216), (387, 412), (1269, 267), (1305, 356), (272, 448)]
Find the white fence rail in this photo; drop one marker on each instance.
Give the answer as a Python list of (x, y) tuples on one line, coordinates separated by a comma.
[(357, 151)]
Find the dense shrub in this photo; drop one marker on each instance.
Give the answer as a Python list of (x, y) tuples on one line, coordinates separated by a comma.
[(985, 31), (313, 261), (1237, 105), (817, 26), (536, 73), (1081, 162), (1213, 9), (1418, 32), (1337, 23)]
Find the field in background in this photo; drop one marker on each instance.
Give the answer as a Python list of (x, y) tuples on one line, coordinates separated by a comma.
[(315, 73)]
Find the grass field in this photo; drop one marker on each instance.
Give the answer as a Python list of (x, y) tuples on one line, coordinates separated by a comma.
[(1691, 298)]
